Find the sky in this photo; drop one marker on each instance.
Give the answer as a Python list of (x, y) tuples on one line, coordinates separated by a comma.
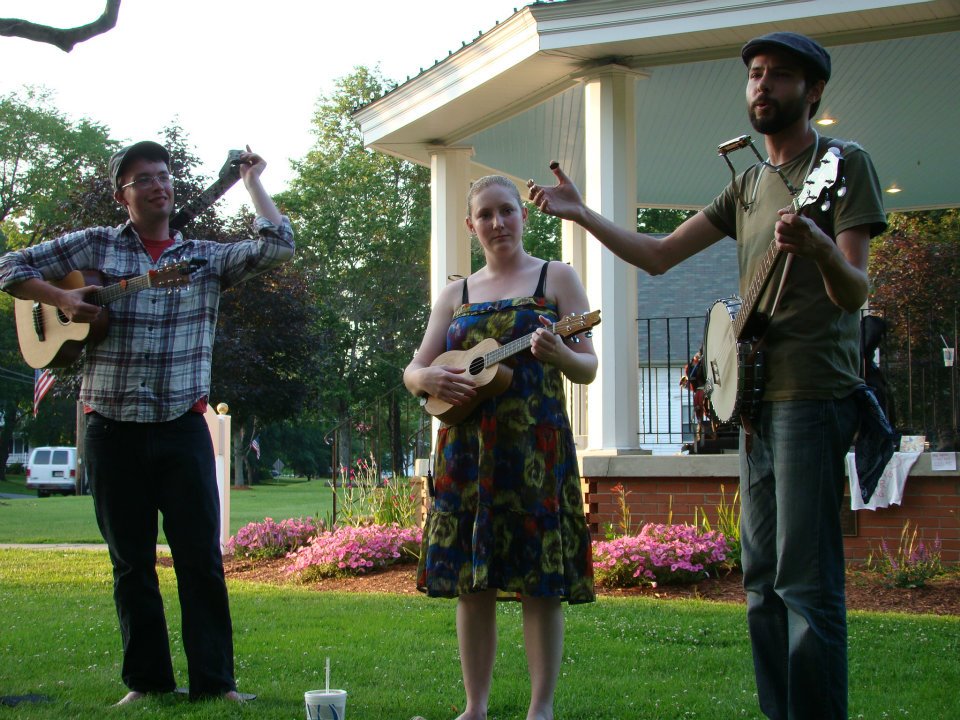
[(231, 72)]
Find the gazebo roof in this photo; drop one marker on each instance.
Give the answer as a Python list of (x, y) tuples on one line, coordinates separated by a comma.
[(514, 94)]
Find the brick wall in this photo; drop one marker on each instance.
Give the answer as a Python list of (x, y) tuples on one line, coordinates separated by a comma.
[(657, 486)]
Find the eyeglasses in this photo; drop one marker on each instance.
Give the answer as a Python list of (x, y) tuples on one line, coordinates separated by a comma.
[(146, 181)]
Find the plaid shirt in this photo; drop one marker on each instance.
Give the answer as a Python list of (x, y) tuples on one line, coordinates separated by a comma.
[(154, 362)]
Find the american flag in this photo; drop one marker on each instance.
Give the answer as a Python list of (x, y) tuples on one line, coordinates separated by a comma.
[(255, 446), (43, 380)]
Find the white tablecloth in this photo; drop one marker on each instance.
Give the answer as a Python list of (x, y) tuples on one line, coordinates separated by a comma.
[(889, 487)]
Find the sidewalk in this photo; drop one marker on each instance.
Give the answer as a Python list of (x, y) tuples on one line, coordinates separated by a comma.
[(66, 546)]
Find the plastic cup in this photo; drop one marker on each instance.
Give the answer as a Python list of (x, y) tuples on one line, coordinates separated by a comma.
[(948, 357), (325, 704)]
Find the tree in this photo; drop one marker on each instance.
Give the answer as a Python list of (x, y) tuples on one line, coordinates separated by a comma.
[(63, 38), (265, 356), (16, 382), (362, 222), (661, 220), (47, 163), (44, 158), (300, 445), (915, 285)]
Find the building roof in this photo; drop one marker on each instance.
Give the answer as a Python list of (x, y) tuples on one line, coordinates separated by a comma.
[(515, 93)]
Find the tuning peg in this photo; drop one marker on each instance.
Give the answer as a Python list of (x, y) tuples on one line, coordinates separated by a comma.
[(576, 339), (589, 333), (825, 205), (843, 188)]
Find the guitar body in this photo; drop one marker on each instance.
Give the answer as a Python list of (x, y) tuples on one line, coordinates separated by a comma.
[(47, 338), (490, 380), (734, 369)]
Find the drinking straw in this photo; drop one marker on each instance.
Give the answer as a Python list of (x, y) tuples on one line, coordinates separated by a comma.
[(328, 675)]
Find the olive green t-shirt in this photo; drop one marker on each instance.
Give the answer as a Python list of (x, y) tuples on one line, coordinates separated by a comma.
[(812, 346)]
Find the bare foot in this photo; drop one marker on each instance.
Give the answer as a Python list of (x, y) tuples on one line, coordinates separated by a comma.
[(130, 698)]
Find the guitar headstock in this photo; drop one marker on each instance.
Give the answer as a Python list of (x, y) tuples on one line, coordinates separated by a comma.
[(175, 275), (575, 324), (820, 180), (231, 168)]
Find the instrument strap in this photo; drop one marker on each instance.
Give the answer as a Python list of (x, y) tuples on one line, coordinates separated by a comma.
[(783, 281)]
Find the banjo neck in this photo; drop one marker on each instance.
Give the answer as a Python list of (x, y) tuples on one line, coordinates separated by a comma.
[(820, 180)]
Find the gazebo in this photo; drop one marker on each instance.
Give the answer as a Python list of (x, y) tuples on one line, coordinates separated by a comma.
[(633, 97)]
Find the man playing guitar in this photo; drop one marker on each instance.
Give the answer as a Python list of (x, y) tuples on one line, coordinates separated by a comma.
[(145, 385), (792, 473)]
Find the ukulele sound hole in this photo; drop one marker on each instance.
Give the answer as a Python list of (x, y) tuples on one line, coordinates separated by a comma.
[(476, 366)]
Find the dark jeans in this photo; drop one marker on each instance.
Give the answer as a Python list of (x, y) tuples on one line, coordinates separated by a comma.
[(137, 470), (791, 488)]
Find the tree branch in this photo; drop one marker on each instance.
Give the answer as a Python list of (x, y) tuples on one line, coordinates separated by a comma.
[(65, 39)]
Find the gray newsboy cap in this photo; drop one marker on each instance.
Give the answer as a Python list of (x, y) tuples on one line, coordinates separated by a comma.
[(808, 51), (143, 149)]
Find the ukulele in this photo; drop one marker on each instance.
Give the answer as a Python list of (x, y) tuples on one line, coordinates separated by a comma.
[(483, 363), (49, 339)]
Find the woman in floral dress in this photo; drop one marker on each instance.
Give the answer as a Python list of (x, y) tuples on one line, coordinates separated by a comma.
[(507, 516)]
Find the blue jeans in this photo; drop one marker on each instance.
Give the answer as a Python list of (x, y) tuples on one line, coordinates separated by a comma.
[(791, 489), (136, 471)]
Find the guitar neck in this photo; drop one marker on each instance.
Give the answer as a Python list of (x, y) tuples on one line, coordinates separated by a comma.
[(511, 348), (201, 202), (761, 279), (108, 294)]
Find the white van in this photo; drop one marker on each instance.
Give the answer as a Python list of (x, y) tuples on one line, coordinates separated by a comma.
[(52, 470)]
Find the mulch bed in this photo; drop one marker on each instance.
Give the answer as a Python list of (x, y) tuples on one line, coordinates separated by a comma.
[(865, 590)]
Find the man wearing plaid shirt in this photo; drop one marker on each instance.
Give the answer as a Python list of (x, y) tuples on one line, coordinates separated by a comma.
[(145, 387)]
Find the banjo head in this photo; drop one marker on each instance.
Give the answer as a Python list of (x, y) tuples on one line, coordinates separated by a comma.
[(721, 358)]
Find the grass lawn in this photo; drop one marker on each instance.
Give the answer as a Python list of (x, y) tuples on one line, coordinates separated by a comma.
[(70, 519), (397, 655)]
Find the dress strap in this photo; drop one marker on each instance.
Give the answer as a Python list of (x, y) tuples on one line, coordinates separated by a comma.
[(465, 296), (543, 278)]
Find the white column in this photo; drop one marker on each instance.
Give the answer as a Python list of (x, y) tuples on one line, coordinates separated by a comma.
[(218, 423), (573, 240), (449, 241), (610, 188)]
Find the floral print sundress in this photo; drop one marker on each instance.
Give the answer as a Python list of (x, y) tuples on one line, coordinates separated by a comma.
[(507, 511)]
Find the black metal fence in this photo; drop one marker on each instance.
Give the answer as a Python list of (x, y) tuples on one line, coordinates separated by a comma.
[(904, 356), (918, 372), (392, 430), (667, 418)]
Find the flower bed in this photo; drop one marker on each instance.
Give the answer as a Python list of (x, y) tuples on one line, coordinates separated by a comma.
[(659, 553), (354, 550), (269, 539)]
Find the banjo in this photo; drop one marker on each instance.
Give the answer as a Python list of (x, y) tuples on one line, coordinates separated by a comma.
[(733, 362)]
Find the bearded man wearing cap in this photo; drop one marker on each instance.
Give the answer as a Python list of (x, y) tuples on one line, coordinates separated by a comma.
[(145, 387), (792, 467)]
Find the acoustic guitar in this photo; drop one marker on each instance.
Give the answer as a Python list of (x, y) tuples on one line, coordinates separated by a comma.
[(49, 339), (732, 359), (483, 363)]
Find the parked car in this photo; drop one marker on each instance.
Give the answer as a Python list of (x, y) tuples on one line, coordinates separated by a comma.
[(52, 470)]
